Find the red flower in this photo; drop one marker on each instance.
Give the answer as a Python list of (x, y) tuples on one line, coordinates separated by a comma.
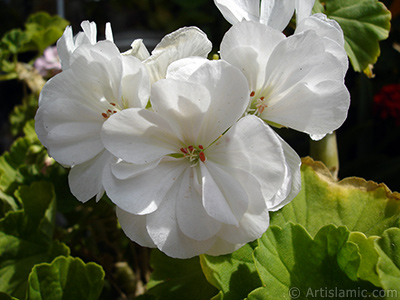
[(387, 102)]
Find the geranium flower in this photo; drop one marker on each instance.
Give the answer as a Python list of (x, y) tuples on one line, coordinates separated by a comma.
[(74, 104), (274, 13), (49, 64), (192, 179), (294, 81), (182, 43), (67, 44), (278, 13)]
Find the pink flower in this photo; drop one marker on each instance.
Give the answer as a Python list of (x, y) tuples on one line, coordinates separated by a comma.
[(49, 64)]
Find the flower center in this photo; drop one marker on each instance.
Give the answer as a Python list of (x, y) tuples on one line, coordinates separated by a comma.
[(257, 104), (194, 154), (110, 111)]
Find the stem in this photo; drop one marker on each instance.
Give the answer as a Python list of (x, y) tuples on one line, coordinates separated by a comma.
[(8, 76), (326, 151)]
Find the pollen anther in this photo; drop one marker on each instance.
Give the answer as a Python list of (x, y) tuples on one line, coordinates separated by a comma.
[(194, 154)]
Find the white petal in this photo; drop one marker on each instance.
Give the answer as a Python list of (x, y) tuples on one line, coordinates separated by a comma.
[(65, 47), (135, 83), (229, 93), (86, 179), (164, 230), (183, 68), (292, 59), (109, 34), (251, 227), (99, 70), (323, 107), (138, 50), (134, 226), (248, 46), (252, 146), (143, 193), (235, 11), (139, 136), (254, 222), (123, 170), (330, 32), (191, 216), (228, 90), (323, 27), (292, 183), (90, 30), (184, 42), (276, 13), (69, 128), (222, 247), (317, 137), (303, 9), (330, 69), (183, 105), (224, 197)]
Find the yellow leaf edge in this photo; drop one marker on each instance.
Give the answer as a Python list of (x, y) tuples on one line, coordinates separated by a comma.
[(350, 182)]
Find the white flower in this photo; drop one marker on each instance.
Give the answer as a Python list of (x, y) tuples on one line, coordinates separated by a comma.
[(67, 44), (182, 43), (274, 13), (192, 180), (74, 104), (331, 34), (294, 81)]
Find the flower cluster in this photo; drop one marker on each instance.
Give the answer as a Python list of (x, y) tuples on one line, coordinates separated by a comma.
[(183, 145)]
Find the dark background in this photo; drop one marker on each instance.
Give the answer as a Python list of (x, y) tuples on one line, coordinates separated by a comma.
[(369, 139)]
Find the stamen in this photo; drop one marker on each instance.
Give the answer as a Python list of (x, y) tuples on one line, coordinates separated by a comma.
[(252, 94), (261, 106), (202, 156), (111, 111), (194, 154)]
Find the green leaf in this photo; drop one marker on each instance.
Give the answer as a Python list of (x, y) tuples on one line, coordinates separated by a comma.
[(364, 24), (369, 257), (22, 113), (7, 202), (15, 40), (65, 278), (10, 163), (26, 162), (290, 261), (234, 274), (39, 209), (26, 237), (360, 205), (44, 30), (389, 262), (178, 278)]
